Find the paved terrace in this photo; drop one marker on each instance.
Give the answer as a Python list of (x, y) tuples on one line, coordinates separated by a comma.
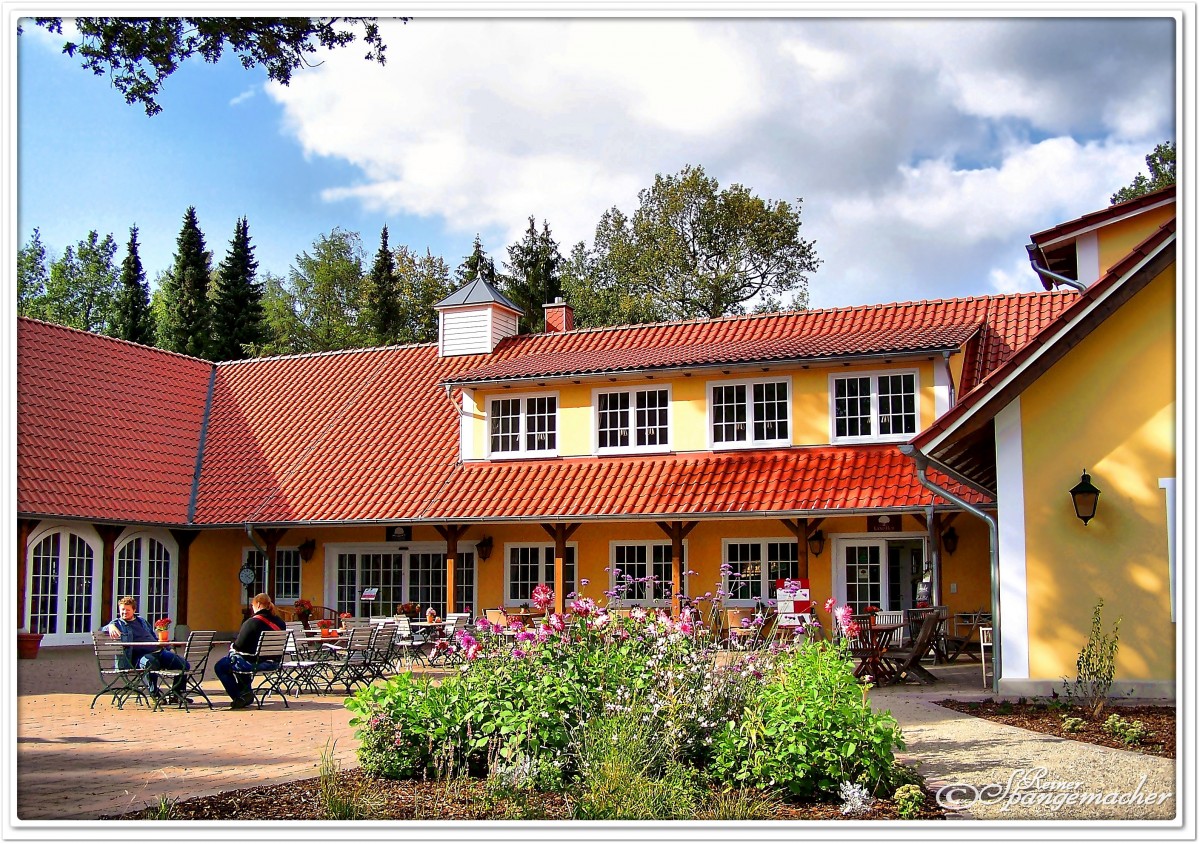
[(79, 763)]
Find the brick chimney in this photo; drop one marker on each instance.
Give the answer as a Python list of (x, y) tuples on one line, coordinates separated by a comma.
[(559, 316)]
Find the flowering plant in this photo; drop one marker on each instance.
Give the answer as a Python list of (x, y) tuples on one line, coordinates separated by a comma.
[(410, 608), (345, 615), (325, 623), (870, 608), (162, 624), (543, 596), (923, 605), (303, 605)]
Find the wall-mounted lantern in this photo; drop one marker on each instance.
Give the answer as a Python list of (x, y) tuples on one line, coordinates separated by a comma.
[(950, 540), (816, 543), (1085, 497), (306, 549), (484, 548)]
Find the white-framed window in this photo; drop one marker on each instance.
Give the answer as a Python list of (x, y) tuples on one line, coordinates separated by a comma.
[(62, 584), (287, 573), (523, 426), (145, 570), (525, 566), (642, 572), (874, 406), (750, 414), (633, 420), (757, 567), (417, 574)]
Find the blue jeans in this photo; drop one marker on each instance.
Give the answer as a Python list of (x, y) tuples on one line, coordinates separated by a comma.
[(168, 660), (237, 685)]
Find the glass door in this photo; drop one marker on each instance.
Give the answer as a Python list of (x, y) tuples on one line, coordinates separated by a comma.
[(860, 576)]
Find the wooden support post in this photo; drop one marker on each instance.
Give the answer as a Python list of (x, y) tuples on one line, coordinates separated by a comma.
[(108, 567), (184, 539), (270, 539), (24, 528), (676, 532), (560, 532), (451, 533)]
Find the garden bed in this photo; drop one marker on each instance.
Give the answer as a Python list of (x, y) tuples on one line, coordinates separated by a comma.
[(465, 799), (1048, 718)]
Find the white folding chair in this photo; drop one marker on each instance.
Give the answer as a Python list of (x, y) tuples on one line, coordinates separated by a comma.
[(985, 644)]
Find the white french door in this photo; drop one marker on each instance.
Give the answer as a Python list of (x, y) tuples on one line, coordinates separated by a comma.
[(416, 574), (860, 573)]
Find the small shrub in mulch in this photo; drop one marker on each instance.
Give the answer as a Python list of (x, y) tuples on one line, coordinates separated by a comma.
[(1144, 729)]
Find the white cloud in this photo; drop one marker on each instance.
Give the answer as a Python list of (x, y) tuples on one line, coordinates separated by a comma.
[(926, 151), (243, 97)]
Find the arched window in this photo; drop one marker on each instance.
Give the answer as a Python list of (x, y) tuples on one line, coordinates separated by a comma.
[(144, 570), (62, 587)]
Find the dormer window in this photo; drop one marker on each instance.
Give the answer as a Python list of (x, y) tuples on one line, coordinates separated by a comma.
[(750, 414), (874, 406), (523, 426), (634, 420)]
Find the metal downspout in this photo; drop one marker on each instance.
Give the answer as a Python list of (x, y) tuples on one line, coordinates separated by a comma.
[(1034, 253), (922, 460)]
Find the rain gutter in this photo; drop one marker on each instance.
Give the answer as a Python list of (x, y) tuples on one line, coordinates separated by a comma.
[(923, 462), (1035, 252)]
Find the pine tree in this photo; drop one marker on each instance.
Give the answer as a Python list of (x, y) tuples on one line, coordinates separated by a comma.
[(384, 321), (476, 265), (535, 275), (187, 322), (238, 319), (32, 276), (132, 320)]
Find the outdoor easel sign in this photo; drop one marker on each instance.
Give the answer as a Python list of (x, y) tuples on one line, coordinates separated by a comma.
[(369, 594), (793, 605)]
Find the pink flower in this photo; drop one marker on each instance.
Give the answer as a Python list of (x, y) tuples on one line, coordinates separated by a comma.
[(851, 629), (685, 627), (637, 613), (830, 604), (557, 622), (483, 625), (542, 596), (842, 615), (517, 653)]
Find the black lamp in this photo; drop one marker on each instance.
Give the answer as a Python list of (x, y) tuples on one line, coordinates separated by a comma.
[(1085, 497), (816, 543), (484, 548), (306, 549), (950, 540)]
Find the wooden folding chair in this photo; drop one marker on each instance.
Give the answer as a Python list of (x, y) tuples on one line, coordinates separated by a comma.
[(985, 645), (905, 663)]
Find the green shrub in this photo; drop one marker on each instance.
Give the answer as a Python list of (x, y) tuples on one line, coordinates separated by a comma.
[(909, 799), (1130, 732), (807, 729), (1072, 724), (1095, 667)]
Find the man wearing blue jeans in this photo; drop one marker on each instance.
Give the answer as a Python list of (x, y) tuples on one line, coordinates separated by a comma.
[(128, 626), (238, 686)]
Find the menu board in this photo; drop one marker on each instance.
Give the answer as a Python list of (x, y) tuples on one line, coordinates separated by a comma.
[(793, 605), (369, 594)]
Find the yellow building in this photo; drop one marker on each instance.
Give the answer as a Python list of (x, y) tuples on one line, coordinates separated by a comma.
[(725, 454)]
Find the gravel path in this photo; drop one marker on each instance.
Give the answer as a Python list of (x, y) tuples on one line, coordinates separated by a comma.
[(1028, 776)]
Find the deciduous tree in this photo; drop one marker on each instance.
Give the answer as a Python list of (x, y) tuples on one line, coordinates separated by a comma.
[(326, 288), (422, 283), (32, 276), (132, 320), (187, 320), (237, 318), (138, 54), (82, 285), (1161, 164)]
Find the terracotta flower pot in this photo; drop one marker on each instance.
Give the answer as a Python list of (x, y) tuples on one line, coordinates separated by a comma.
[(27, 645), (163, 635)]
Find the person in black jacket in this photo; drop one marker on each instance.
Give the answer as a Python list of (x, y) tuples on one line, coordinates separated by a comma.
[(237, 686)]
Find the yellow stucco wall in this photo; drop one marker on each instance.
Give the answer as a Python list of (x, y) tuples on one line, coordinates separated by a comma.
[(215, 594), (1108, 407), (811, 409), (1118, 239)]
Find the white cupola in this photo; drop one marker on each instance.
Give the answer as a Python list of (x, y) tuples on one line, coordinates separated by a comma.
[(474, 318)]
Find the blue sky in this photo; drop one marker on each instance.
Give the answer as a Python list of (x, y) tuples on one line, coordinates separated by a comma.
[(926, 151)]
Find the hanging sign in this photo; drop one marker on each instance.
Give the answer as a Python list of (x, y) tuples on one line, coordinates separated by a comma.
[(883, 524), (398, 534)]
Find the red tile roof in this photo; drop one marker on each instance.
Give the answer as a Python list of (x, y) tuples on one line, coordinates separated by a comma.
[(747, 483), (106, 430), (370, 435), (1112, 212), (1004, 323)]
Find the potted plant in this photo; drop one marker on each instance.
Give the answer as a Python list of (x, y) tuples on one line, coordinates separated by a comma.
[(163, 628), (27, 644), (326, 627), (410, 609), (304, 608)]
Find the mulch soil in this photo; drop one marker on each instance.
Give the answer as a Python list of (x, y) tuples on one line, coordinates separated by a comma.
[(1043, 718), (459, 800)]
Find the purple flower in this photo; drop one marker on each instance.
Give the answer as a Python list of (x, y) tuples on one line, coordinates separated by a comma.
[(517, 653)]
